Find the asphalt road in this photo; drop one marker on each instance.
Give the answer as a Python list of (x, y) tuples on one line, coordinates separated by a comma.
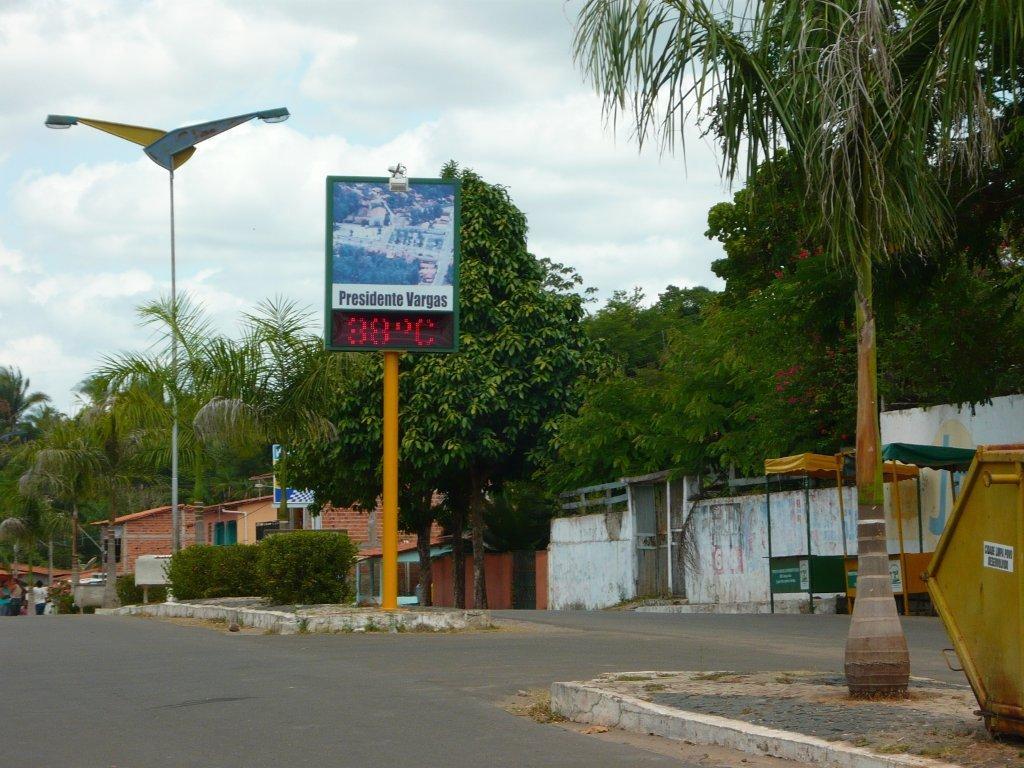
[(129, 692)]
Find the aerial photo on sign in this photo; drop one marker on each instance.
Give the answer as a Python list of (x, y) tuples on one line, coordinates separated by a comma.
[(392, 250)]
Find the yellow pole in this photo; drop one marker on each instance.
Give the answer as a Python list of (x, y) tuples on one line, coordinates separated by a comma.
[(898, 506), (389, 538)]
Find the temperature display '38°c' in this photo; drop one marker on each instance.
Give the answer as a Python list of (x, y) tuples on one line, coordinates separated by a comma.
[(392, 330)]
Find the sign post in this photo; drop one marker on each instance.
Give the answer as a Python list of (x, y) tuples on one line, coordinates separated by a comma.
[(391, 285), (389, 537)]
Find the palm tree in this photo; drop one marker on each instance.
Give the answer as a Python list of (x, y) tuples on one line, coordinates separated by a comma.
[(94, 455), (144, 383), (62, 468), (876, 102), (16, 402), (272, 386)]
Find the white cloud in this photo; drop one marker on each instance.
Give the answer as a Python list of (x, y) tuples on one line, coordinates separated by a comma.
[(85, 218)]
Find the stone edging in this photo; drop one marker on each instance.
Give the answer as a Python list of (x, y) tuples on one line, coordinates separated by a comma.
[(584, 703), (288, 623)]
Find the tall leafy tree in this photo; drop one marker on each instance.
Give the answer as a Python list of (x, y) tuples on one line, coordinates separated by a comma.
[(474, 420), (492, 406), (874, 102), (346, 470)]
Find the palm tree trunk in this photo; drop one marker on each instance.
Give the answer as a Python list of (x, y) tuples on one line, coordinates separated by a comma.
[(877, 660), (74, 551), (476, 524), (110, 561)]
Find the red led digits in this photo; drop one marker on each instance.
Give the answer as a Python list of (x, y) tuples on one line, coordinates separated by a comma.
[(420, 340), (392, 330)]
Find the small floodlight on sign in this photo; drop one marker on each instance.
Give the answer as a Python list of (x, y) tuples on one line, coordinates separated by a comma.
[(398, 182)]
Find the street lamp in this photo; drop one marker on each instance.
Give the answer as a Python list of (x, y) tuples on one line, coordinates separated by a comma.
[(170, 150)]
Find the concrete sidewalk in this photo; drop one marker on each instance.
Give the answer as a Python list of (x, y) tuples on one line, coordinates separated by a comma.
[(806, 716)]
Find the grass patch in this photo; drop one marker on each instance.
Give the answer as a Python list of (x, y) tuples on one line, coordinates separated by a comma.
[(631, 678), (893, 749), (654, 687), (718, 676), (535, 705)]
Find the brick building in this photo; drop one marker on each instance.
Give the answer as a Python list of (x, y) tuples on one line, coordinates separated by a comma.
[(243, 522)]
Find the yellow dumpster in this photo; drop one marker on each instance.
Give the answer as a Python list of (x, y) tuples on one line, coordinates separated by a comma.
[(977, 586)]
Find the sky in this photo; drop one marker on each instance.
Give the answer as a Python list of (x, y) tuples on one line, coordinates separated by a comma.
[(84, 217)]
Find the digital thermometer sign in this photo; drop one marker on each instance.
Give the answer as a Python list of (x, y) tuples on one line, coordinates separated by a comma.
[(412, 331), (392, 265)]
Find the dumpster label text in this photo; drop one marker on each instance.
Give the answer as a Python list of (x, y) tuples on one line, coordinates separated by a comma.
[(998, 556)]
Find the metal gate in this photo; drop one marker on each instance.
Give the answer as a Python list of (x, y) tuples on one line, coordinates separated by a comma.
[(524, 579), (651, 539)]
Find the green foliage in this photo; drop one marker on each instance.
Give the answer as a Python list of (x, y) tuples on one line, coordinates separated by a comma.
[(362, 265), (768, 367), (215, 571), (637, 336), (518, 517), (234, 571), (475, 420), (307, 567), (130, 594), (17, 404), (490, 410), (62, 598)]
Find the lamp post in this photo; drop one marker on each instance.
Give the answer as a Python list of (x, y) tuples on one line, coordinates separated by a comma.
[(170, 150)]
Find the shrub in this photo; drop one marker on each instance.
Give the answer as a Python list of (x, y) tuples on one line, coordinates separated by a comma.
[(189, 572), (306, 567), (130, 594), (214, 571), (233, 572), (61, 597)]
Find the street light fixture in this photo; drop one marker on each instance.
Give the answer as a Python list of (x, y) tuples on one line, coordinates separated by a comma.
[(170, 150)]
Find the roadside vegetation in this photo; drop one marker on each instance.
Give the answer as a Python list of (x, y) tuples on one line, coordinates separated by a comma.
[(552, 391)]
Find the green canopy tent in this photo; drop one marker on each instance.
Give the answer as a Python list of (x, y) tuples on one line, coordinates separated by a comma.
[(936, 457), (929, 456)]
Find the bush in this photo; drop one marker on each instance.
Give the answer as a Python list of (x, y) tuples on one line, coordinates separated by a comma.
[(129, 594), (306, 567), (233, 571), (214, 571), (61, 597)]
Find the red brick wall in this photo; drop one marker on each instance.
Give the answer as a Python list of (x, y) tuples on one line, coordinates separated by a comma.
[(497, 575), (541, 558), (356, 521), (151, 535)]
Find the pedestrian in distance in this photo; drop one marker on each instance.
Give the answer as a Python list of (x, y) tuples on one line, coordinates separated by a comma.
[(5, 601), (39, 595), (17, 597)]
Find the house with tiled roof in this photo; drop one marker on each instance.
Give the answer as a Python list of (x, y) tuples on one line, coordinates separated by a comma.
[(246, 521)]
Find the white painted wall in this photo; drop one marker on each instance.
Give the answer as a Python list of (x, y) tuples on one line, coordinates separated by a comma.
[(1000, 422), (591, 561), (730, 537)]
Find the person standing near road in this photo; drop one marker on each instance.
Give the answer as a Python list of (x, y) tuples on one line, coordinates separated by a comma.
[(39, 593), (17, 597), (5, 601)]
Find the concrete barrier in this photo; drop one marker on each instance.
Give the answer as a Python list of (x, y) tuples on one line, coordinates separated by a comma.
[(317, 618)]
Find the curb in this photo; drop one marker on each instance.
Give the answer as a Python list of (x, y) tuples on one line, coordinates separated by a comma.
[(583, 703), (287, 623)]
